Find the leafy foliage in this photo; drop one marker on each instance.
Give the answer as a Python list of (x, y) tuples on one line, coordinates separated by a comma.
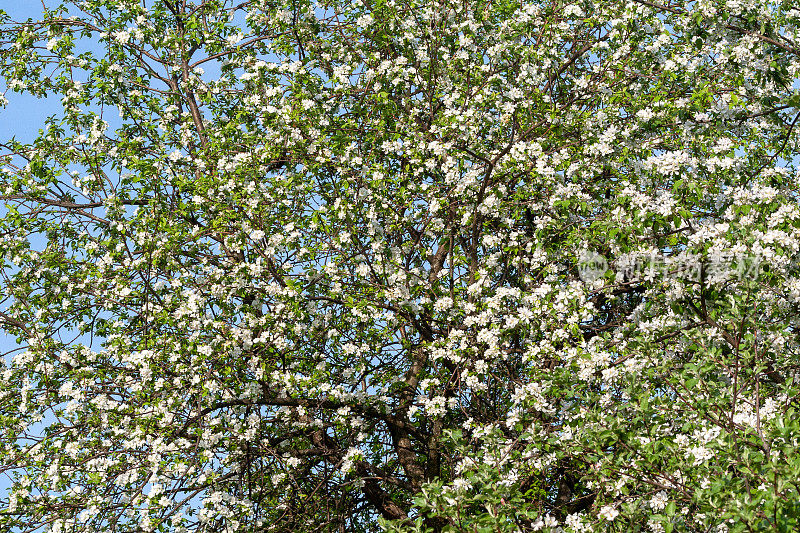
[(422, 265)]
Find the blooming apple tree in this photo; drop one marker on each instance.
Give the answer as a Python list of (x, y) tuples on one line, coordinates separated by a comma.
[(429, 265)]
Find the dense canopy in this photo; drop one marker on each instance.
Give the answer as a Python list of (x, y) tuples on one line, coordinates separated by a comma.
[(434, 265)]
